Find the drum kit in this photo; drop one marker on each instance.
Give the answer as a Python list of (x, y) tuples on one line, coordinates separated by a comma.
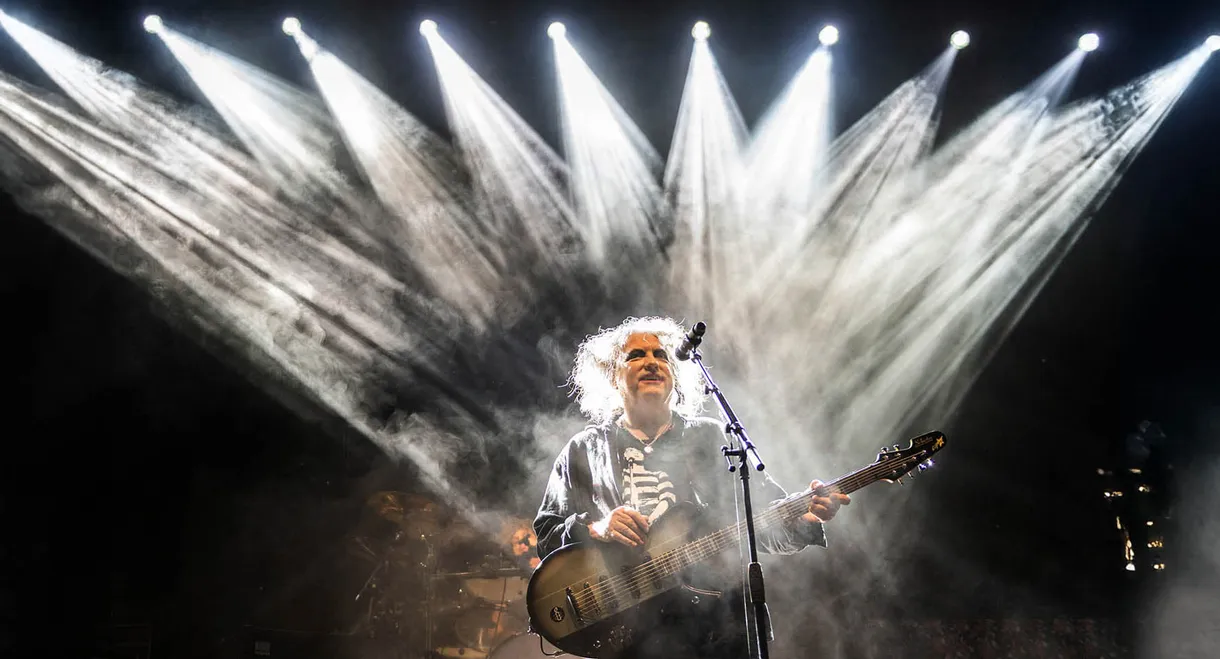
[(439, 587)]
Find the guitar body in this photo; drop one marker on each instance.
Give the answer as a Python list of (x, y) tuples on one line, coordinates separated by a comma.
[(573, 604)]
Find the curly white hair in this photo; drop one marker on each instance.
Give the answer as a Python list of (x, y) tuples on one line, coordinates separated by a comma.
[(599, 356)]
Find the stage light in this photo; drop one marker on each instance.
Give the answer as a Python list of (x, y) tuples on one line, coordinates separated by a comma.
[(701, 31), (829, 35), (153, 24), (1213, 42), (556, 30), (960, 39), (291, 26), (1089, 42), (428, 28)]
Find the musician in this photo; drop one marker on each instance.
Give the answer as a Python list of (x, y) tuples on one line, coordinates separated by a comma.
[(645, 451)]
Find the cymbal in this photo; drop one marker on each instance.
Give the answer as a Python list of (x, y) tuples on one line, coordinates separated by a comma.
[(400, 501), (485, 573), (403, 508)]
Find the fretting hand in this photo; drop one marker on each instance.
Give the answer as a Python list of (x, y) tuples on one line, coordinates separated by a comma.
[(823, 509), (623, 525)]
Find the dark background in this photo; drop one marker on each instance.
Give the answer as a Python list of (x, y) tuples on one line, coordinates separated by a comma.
[(146, 480)]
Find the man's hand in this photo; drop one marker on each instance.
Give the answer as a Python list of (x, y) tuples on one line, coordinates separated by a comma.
[(623, 525), (823, 509)]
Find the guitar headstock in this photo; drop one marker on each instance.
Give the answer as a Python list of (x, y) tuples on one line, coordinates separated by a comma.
[(916, 457)]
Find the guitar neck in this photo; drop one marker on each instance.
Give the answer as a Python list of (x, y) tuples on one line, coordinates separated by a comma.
[(680, 558)]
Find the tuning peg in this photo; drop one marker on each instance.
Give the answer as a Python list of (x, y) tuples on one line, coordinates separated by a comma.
[(897, 449)]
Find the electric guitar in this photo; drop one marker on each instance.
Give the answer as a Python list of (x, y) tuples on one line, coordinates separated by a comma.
[(587, 599)]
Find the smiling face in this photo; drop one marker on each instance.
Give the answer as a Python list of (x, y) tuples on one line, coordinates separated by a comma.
[(644, 376)]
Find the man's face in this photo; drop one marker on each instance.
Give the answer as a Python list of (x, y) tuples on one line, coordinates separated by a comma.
[(644, 376)]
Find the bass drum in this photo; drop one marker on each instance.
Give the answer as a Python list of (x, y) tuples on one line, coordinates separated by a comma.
[(525, 646)]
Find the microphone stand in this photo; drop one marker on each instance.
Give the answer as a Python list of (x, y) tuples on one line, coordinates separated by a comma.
[(740, 452)]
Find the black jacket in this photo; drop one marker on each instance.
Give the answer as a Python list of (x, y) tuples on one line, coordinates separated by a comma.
[(585, 484)]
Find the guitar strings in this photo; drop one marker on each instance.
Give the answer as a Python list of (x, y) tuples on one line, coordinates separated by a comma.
[(699, 550), (714, 543), (673, 561), (658, 567)]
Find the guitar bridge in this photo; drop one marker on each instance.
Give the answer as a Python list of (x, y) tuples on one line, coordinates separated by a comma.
[(572, 603)]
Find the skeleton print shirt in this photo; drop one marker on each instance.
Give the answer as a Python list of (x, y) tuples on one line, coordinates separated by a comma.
[(604, 467), (650, 492)]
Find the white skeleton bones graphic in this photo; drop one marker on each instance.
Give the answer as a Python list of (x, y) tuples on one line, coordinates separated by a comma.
[(650, 492)]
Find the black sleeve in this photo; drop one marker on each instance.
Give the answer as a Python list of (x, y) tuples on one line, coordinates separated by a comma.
[(791, 536), (724, 493), (563, 517)]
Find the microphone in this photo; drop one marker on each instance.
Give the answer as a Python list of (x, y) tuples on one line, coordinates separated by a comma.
[(693, 338)]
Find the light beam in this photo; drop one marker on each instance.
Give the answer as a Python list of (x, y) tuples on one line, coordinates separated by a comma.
[(519, 182), (703, 180), (288, 130), (411, 170), (613, 167), (150, 189), (1088, 42)]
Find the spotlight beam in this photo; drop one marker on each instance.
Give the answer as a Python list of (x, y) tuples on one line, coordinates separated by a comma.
[(703, 180), (410, 170), (614, 169), (789, 147), (517, 177), (251, 263)]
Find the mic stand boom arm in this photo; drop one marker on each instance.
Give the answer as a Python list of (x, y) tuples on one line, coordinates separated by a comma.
[(741, 451)]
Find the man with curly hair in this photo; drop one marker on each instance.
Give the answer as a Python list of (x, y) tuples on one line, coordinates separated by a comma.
[(645, 451)]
